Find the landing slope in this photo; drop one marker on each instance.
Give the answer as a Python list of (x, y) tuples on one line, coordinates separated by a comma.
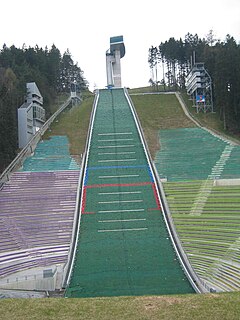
[(123, 245)]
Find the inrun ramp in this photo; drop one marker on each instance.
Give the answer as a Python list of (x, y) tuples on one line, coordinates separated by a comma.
[(123, 246)]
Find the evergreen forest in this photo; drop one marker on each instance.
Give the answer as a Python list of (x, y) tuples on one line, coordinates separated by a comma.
[(171, 61), (53, 73)]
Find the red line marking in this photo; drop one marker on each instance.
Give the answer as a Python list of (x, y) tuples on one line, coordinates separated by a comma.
[(88, 212), (119, 185), (84, 199), (156, 196)]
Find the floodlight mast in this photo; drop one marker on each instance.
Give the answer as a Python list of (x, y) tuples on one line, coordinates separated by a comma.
[(113, 65)]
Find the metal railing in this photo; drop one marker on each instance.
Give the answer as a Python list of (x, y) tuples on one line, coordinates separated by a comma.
[(77, 215), (190, 273)]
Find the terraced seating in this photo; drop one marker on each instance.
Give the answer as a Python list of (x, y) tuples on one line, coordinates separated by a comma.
[(51, 155), (211, 239), (188, 154), (36, 218), (232, 168), (29, 258)]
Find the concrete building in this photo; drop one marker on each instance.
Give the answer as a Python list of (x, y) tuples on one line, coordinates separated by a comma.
[(113, 65), (31, 115)]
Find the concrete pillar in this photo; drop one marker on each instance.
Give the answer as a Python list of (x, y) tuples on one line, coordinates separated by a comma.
[(117, 70), (109, 66)]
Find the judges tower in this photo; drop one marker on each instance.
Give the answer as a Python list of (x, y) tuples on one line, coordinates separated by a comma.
[(113, 56)]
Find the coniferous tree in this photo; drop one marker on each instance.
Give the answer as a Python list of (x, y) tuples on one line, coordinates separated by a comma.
[(222, 61), (52, 73)]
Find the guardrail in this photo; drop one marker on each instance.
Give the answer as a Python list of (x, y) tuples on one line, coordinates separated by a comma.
[(30, 147), (77, 215), (190, 273)]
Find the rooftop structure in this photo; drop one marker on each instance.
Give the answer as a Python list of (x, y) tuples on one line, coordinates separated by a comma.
[(113, 65)]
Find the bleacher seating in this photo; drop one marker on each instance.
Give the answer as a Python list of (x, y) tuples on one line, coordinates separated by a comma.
[(232, 167), (187, 154), (37, 209), (210, 238), (51, 155)]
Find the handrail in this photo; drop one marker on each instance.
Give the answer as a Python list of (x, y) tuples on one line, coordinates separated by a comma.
[(67, 267), (191, 275), (77, 216), (194, 279), (30, 147)]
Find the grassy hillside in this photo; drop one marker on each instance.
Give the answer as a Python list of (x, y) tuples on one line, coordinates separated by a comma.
[(209, 120), (185, 307), (155, 111), (74, 124), (159, 112)]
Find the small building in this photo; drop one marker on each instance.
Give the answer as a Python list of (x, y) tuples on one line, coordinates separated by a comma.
[(31, 115)]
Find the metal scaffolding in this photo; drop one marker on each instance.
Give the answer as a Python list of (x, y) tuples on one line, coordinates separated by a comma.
[(199, 87)]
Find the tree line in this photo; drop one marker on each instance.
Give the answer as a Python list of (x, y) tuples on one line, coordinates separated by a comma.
[(172, 60), (53, 73)]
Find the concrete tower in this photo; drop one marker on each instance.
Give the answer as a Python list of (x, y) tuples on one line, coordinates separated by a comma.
[(113, 56), (31, 115)]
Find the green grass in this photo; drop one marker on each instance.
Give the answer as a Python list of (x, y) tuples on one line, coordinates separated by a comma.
[(150, 89), (209, 120), (155, 112), (61, 98), (73, 123), (182, 307), (159, 112)]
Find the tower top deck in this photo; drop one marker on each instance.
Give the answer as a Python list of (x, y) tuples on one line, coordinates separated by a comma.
[(116, 43)]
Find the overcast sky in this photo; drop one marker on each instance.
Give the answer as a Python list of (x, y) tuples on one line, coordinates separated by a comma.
[(85, 27)]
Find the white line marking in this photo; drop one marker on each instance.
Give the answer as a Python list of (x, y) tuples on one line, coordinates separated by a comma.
[(119, 230), (127, 152), (122, 176), (117, 160), (121, 192), (111, 211), (120, 201), (123, 146), (109, 140), (112, 134), (125, 220)]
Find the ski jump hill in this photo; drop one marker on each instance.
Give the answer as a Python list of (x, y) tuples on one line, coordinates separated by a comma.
[(105, 229)]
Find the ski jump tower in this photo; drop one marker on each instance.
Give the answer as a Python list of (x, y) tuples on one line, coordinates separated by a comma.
[(113, 56)]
